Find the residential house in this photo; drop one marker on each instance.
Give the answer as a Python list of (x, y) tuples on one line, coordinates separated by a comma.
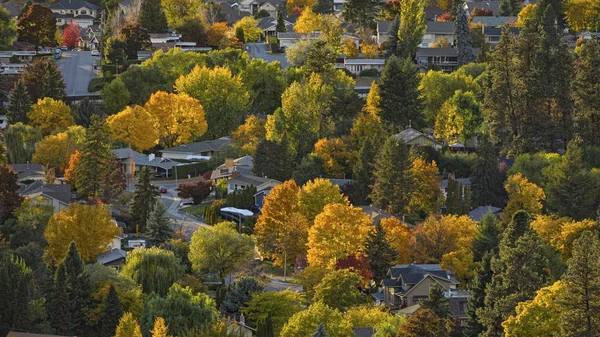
[(478, 213), (133, 161), (91, 37), (289, 39), (435, 31), (411, 136), (269, 25), (231, 12), (458, 301), (27, 172), (263, 186), (242, 165), (493, 34), (113, 258), (494, 21), (355, 66), (446, 59), (80, 12), (376, 214), (196, 151), (444, 183), (273, 7), (59, 196)]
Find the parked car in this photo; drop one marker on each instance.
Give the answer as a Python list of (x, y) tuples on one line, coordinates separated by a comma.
[(163, 189), (159, 174), (64, 48), (57, 54), (95, 52), (186, 203)]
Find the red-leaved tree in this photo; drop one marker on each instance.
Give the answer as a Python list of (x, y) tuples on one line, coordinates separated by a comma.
[(71, 35), (446, 17), (359, 264), (196, 191), (480, 12)]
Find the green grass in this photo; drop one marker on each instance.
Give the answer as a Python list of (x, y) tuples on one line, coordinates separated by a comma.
[(197, 210)]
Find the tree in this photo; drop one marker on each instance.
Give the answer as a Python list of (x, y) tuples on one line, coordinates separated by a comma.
[(43, 79), (339, 231), (437, 237), (339, 290), (349, 48), (55, 151), (90, 227), (308, 21), (400, 102), (436, 302), (380, 253), (19, 104), (20, 140), (424, 323), (239, 35), (10, 198), (220, 250), (159, 224), (586, 91), (463, 35), (114, 52), (426, 196), (477, 288), (8, 29), (581, 15), (152, 17), (509, 8), (71, 35), (111, 314), (128, 327), (271, 310), (296, 55), (160, 329), (50, 115), (93, 162), (15, 279), (272, 160), (177, 11), (486, 179), (144, 199), (334, 154), (304, 323), (197, 191), (264, 82), (136, 38), (239, 295), (317, 194), (487, 238), (37, 26), (391, 44), (153, 268), (361, 13), (459, 118), (522, 195), (393, 182), (115, 96), (223, 112), (323, 7), (412, 28), (135, 126), (320, 331), (250, 28), (248, 135)]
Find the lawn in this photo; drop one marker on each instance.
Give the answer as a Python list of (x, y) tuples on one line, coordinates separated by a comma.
[(197, 210)]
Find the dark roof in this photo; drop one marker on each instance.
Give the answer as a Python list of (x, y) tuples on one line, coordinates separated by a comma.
[(61, 192), (247, 179), (478, 213), (383, 26), (424, 52), (493, 5), (432, 12), (414, 273), (496, 31), (494, 21), (440, 27), (144, 160), (464, 181), (72, 4), (27, 170), (205, 146), (12, 9), (111, 256), (231, 15), (363, 332)]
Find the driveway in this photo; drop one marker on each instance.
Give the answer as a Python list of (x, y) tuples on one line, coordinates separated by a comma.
[(77, 69), (259, 50)]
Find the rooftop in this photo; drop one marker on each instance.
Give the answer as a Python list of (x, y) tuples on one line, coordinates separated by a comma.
[(409, 133), (204, 146), (60, 192), (144, 160), (111, 256), (72, 4), (494, 21), (365, 61)]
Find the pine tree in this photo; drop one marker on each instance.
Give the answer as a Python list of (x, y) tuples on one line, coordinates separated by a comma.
[(160, 329), (152, 16), (400, 102), (53, 85), (58, 306), (477, 286), (412, 28), (159, 224), (323, 7), (393, 182), (280, 28), (362, 171), (381, 255), (239, 294), (273, 160), (510, 7), (391, 44), (580, 300), (78, 290), (320, 331), (437, 302), (111, 313), (15, 280), (361, 13), (488, 237), (463, 35), (19, 104), (144, 199), (455, 200), (486, 180), (586, 92), (93, 163)]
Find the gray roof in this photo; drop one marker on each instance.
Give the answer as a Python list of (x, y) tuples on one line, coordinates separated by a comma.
[(414, 273), (111, 256), (478, 213), (431, 12), (293, 35), (493, 5), (340, 182), (376, 214), (464, 181), (409, 133), (383, 26), (143, 160), (365, 61), (494, 21), (60, 192), (440, 27), (497, 31), (204, 146), (27, 170), (72, 4), (12, 9), (247, 179), (425, 52), (363, 332)]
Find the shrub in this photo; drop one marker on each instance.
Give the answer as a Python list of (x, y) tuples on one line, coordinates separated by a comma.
[(369, 73), (196, 191)]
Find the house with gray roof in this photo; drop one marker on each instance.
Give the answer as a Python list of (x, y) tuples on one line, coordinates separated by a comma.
[(494, 21), (59, 196), (435, 31), (411, 136), (80, 12), (113, 258), (493, 34), (355, 66), (28, 171), (289, 39), (242, 165), (478, 213), (133, 161), (269, 25), (196, 151)]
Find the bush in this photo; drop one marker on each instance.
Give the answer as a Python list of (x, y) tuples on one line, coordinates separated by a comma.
[(457, 163), (369, 73), (274, 44), (96, 84), (212, 214), (196, 191)]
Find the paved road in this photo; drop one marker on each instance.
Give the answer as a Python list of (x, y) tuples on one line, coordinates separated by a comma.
[(259, 50), (77, 71)]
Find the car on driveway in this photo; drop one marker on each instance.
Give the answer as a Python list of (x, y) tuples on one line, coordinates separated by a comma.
[(186, 203), (163, 189), (64, 48), (95, 52)]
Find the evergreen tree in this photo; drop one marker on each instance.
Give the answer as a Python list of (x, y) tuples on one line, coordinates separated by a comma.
[(391, 44), (273, 160), (111, 314), (159, 224), (152, 16), (362, 171), (586, 93), (463, 35), (19, 104), (58, 305), (239, 294), (557, 8), (84, 110), (510, 7), (381, 255), (580, 299), (128, 327), (239, 34), (280, 28), (361, 13), (400, 102), (456, 201), (94, 160), (323, 7), (144, 199), (15, 280), (78, 290), (412, 28), (488, 237), (486, 180), (320, 331), (477, 286), (393, 182), (437, 302), (53, 85)]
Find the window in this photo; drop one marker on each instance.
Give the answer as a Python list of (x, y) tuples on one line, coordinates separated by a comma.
[(83, 12)]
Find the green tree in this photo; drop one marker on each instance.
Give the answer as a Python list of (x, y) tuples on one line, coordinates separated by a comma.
[(136, 38), (339, 290), (509, 8), (114, 52), (264, 82), (159, 224), (78, 291), (144, 199), (486, 179), (239, 34), (37, 26), (381, 255), (391, 44), (400, 102), (361, 13), (84, 110), (152, 16), (487, 238), (280, 28), (93, 163), (15, 280), (153, 268), (115, 96), (362, 172), (273, 160), (194, 30), (463, 35), (111, 314), (58, 303), (20, 140), (8, 30), (53, 85), (10, 199), (310, 167), (320, 331), (142, 82), (586, 92), (320, 58), (271, 310), (425, 323), (19, 104), (393, 183), (412, 28), (323, 7), (459, 118), (41, 78), (437, 302), (477, 286), (305, 323), (239, 294)]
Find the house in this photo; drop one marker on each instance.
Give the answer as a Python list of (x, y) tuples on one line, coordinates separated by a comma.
[(355, 66), (376, 214), (80, 12), (242, 165), (462, 181), (269, 25), (273, 7), (113, 258), (289, 39), (493, 34), (238, 181), (494, 21), (59, 196), (133, 161), (458, 301), (13, 10), (435, 31), (446, 59), (92, 37), (478, 213), (199, 150), (411, 136), (27, 172), (406, 284)]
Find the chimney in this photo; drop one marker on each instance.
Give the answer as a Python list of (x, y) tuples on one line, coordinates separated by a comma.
[(151, 156), (242, 319)]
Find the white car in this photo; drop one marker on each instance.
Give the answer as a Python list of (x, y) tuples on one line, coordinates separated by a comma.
[(95, 52), (186, 203)]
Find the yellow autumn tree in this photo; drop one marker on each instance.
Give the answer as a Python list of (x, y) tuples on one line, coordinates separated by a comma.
[(522, 195), (335, 156), (349, 48), (54, 151), (50, 115), (582, 14), (248, 135), (135, 126), (160, 329), (339, 231), (560, 233), (308, 21), (250, 27), (438, 236), (367, 126), (460, 262), (400, 237), (426, 197), (527, 13), (128, 327), (178, 118), (295, 7), (90, 227), (316, 194), (369, 50)]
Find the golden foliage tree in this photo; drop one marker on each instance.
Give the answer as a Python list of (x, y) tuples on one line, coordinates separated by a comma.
[(160, 329), (335, 156), (527, 13), (308, 21), (134, 125), (582, 14), (339, 231), (349, 48), (90, 227), (560, 233), (369, 50), (425, 198), (178, 118), (316, 194), (71, 170), (248, 135), (55, 151), (250, 27), (50, 115), (522, 195), (128, 327), (400, 237), (438, 236)]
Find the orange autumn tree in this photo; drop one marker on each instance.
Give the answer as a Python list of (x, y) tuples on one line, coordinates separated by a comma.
[(335, 156), (135, 126), (401, 238)]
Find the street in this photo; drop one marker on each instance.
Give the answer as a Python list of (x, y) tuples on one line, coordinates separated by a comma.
[(259, 50), (77, 69)]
